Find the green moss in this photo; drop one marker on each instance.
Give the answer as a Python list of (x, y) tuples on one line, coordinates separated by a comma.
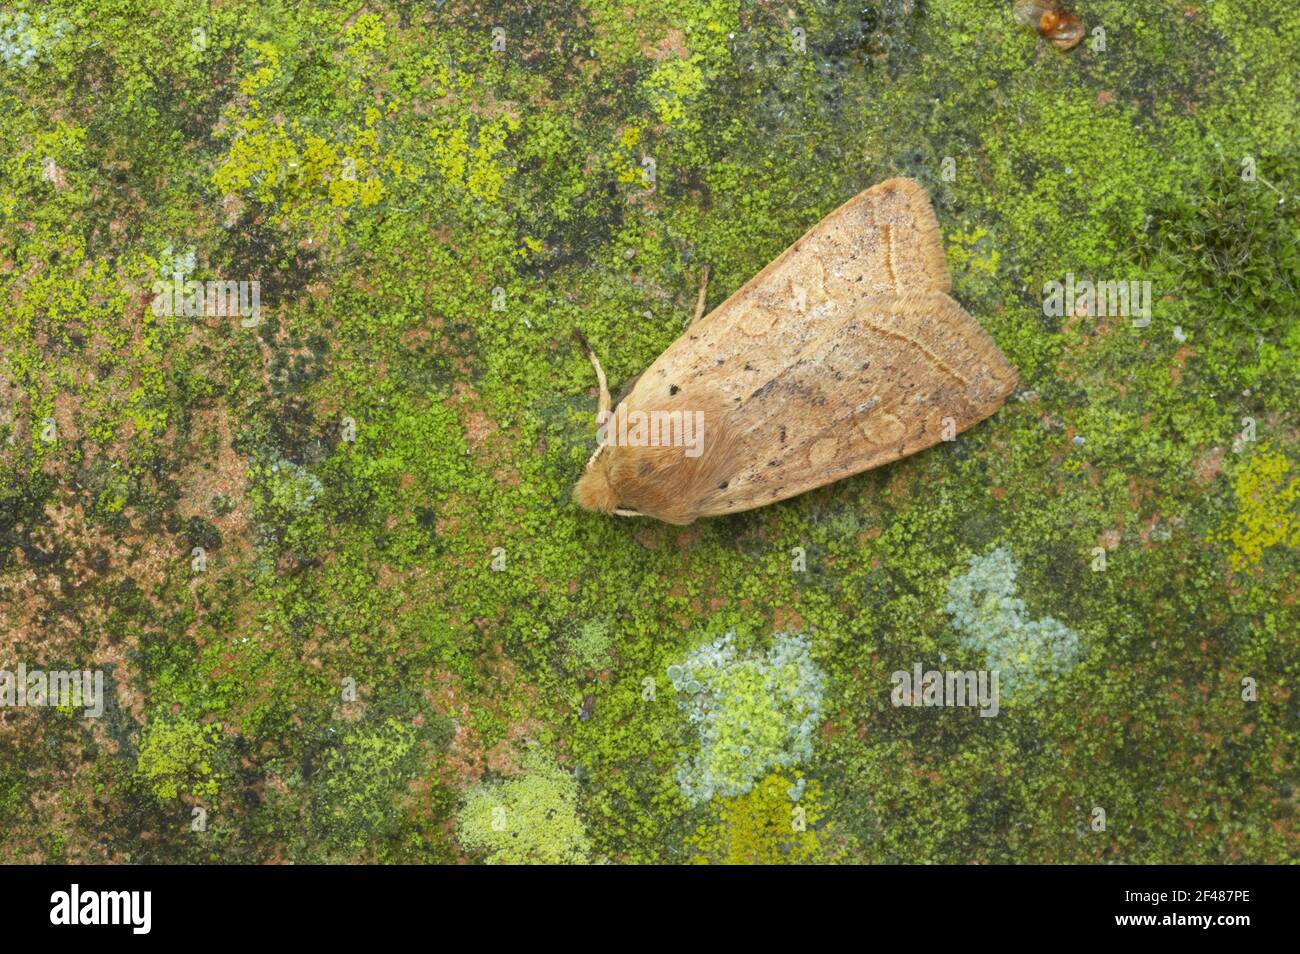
[(178, 757), (361, 779)]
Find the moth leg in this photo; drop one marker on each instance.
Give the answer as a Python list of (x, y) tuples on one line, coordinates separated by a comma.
[(602, 404), (628, 513), (704, 290)]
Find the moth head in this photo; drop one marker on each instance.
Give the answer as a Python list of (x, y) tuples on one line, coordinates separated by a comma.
[(593, 490), (665, 480), (597, 490), (669, 480)]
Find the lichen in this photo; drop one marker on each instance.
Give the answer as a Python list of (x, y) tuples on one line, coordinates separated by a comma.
[(1028, 653), (530, 819), (752, 713), (1268, 507)]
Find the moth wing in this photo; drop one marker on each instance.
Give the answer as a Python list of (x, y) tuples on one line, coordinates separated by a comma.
[(884, 241), (895, 376)]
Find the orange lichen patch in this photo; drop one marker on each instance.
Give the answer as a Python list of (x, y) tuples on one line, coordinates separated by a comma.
[(221, 474), (1139, 492), (900, 483), (672, 43), (506, 475), (786, 620), (417, 336), (870, 534), (65, 408), (493, 448), (56, 615), (447, 525), (1209, 466), (686, 538), (1180, 358)]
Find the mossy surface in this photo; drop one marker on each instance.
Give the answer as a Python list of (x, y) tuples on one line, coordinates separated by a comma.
[(398, 620)]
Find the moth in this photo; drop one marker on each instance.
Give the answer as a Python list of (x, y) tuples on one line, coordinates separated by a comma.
[(843, 354)]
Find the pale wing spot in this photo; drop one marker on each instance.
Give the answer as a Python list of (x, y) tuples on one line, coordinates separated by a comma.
[(760, 320), (822, 454), (882, 429), (799, 297)]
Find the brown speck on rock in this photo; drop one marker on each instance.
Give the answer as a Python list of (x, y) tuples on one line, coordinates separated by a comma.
[(1053, 22)]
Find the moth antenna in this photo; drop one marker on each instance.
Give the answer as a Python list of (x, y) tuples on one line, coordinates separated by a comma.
[(704, 290), (602, 404)]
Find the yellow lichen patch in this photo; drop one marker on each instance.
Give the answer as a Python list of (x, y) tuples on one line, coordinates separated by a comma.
[(304, 178), (624, 159), (1266, 507), (766, 826), (471, 159), (672, 86)]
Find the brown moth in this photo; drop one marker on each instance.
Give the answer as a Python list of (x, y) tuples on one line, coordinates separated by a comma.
[(843, 354)]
